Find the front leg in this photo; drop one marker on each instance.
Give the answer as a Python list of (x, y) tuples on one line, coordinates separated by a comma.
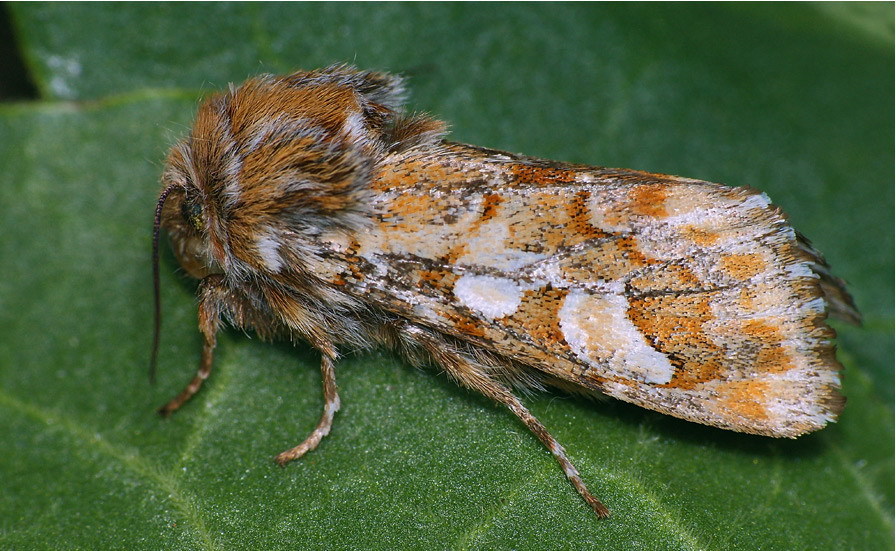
[(211, 298)]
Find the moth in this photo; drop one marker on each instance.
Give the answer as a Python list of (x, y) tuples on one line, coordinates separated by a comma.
[(310, 207)]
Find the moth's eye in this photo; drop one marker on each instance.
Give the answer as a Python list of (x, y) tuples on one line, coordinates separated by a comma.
[(191, 210)]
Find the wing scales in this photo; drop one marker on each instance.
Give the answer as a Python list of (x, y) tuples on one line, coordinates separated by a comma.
[(691, 298)]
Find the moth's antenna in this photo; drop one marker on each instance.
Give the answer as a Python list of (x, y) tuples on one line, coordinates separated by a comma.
[(157, 326)]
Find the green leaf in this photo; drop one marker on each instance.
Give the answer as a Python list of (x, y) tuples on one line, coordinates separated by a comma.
[(794, 100)]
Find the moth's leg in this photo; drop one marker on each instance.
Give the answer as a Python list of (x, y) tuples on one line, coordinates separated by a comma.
[(331, 406), (211, 297), (471, 374)]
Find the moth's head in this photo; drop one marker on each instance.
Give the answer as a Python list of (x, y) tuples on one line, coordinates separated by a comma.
[(276, 162), (187, 212)]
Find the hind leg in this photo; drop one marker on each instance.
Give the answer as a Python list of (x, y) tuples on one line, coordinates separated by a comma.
[(468, 372)]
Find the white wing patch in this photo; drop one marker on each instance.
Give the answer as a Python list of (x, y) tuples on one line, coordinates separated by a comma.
[(492, 297), (598, 330), (487, 248)]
